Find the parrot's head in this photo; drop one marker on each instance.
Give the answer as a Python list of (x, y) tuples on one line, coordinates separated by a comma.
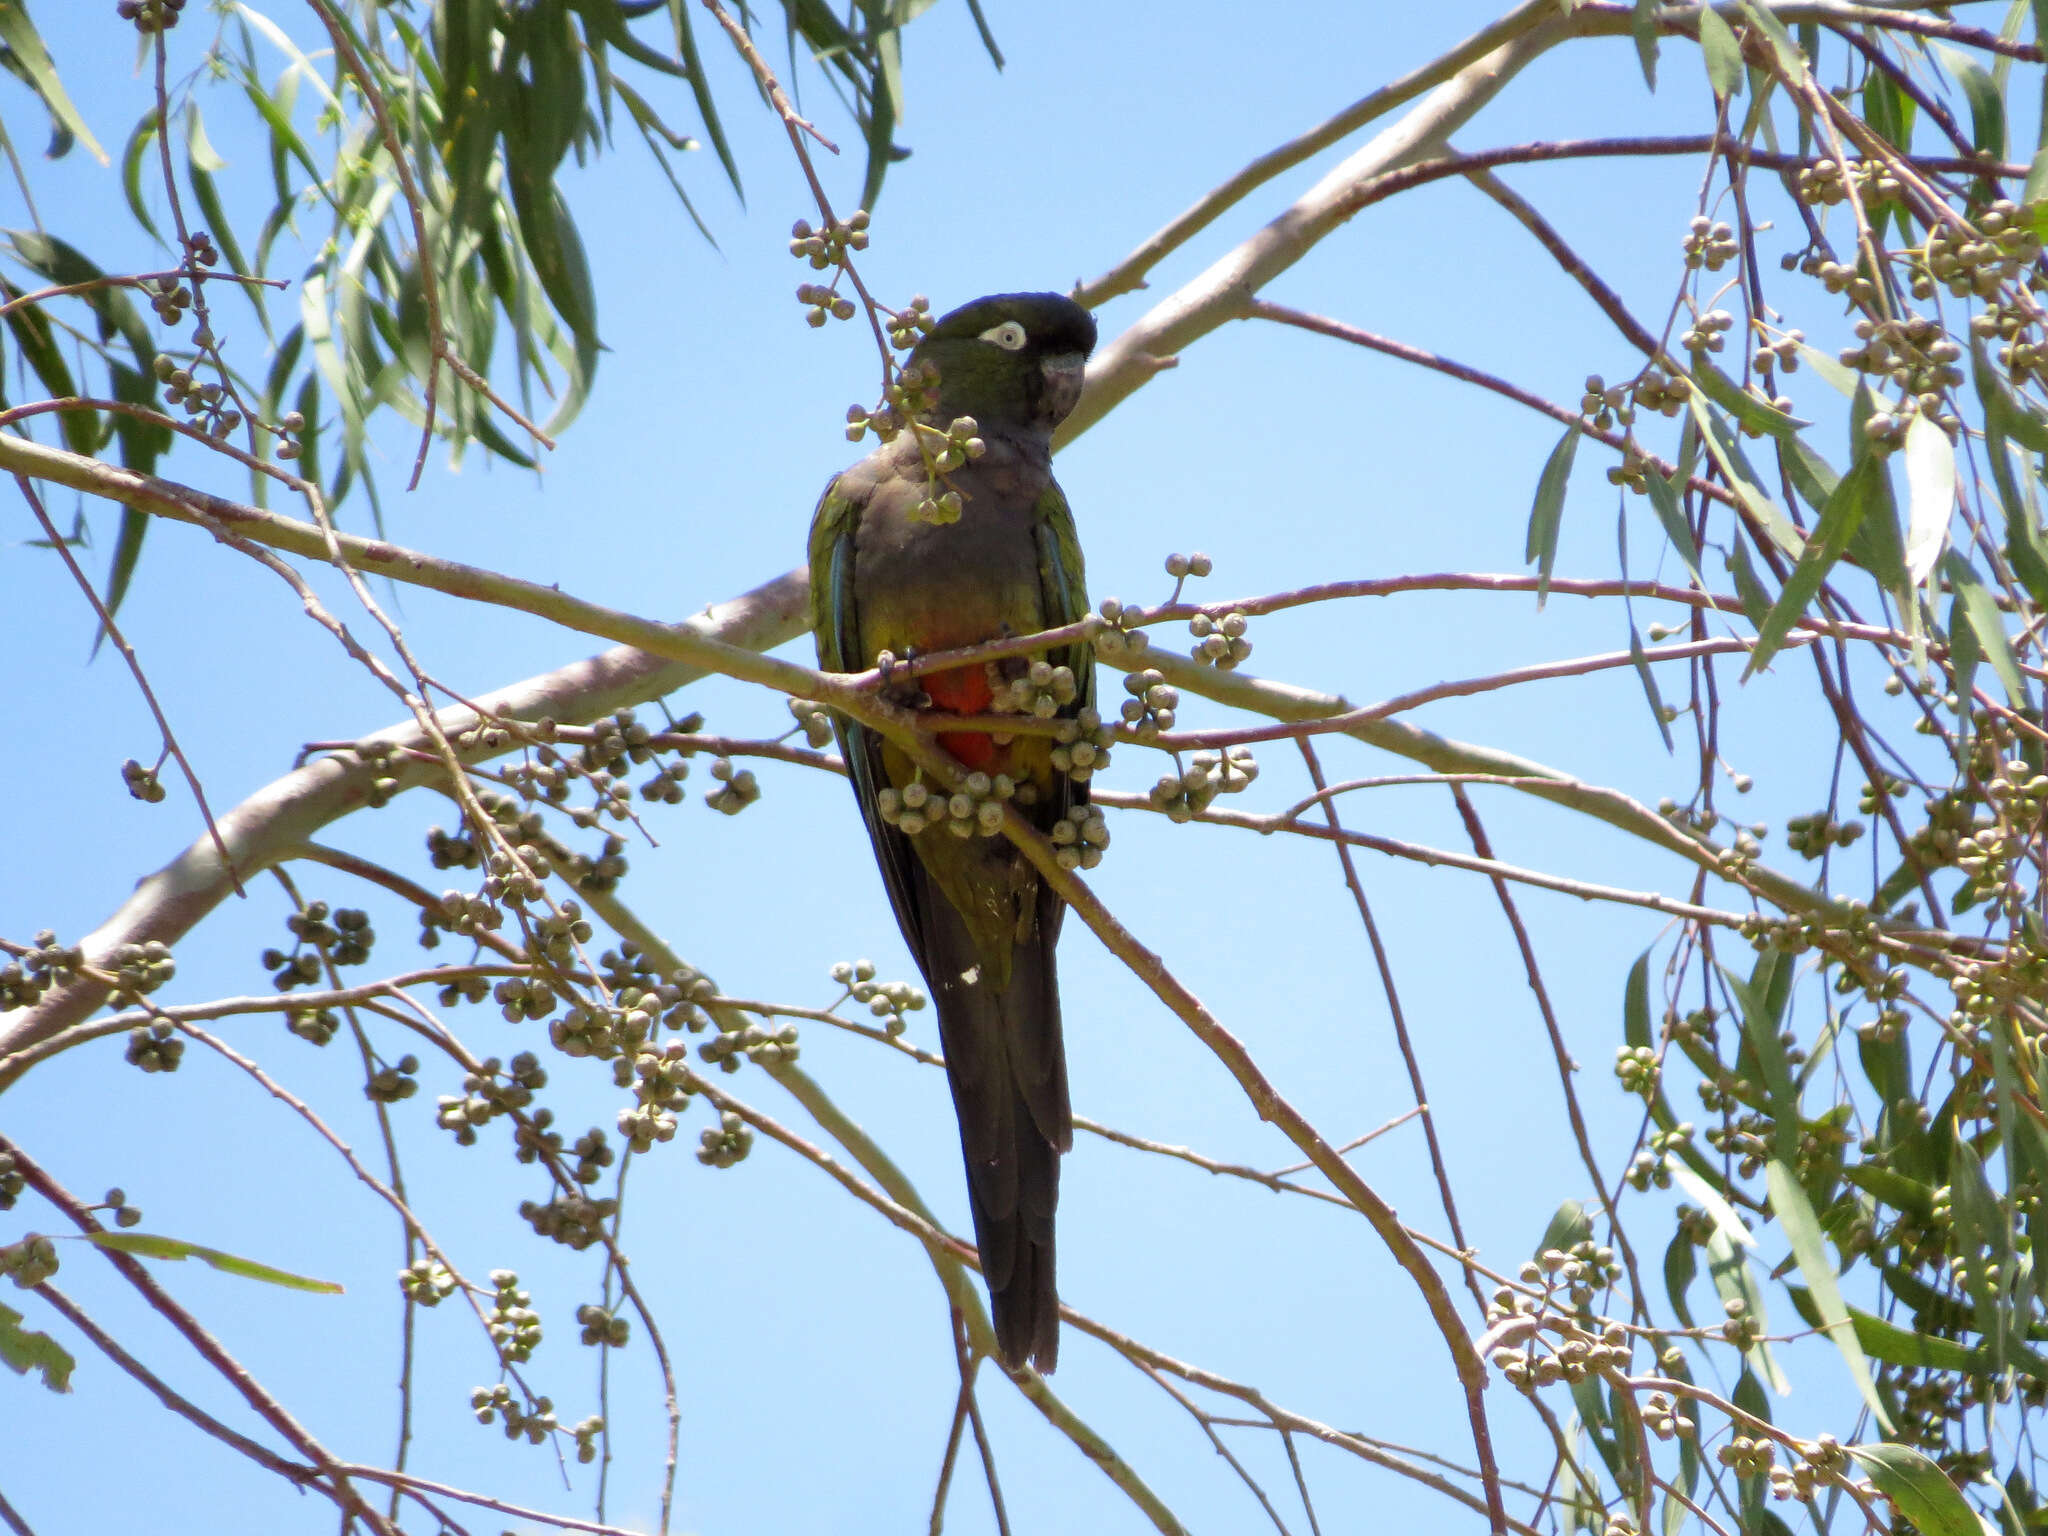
[(1012, 360)]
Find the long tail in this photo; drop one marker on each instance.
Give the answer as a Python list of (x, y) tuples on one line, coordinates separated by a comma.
[(1008, 1072)]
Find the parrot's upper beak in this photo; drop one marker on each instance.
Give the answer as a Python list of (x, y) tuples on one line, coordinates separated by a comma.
[(1065, 372)]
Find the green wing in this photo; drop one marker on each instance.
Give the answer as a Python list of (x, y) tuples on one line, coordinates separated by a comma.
[(835, 622), (1063, 587)]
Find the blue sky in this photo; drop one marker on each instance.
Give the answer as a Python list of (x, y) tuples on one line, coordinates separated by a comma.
[(815, 1364)]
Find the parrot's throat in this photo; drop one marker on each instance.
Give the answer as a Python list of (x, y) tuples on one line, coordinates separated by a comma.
[(965, 691)]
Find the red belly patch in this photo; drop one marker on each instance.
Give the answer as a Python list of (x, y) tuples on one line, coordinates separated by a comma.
[(965, 691)]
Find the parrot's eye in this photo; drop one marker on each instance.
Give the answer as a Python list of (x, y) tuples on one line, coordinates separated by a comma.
[(1009, 336)]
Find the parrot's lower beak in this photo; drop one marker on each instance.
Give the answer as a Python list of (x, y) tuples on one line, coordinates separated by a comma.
[(1065, 372)]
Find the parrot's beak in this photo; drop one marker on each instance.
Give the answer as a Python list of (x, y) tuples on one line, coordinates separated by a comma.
[(1065, 372)]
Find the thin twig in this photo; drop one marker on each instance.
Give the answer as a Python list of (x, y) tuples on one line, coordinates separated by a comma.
[(1208, 1427), (209, 1348), (171, 1398), (411, 1482), (8, 1513), (1483, 846), (113, 633), (1400, 1020), (1308, 1505), (129, 280), (969, 1363), (960, 1401), (1358, 1141)]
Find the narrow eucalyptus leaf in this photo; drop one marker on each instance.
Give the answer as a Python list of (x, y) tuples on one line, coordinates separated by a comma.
[(1802, 1229), (150, 1245), (1723, 54), (1987, 106), (25, 1349), (1980, 609), (1918, 1489), (32, 60), (1840, 516), (1547, 513)]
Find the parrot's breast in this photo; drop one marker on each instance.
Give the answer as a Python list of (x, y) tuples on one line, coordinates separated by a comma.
[(924, 587), (936, 586)]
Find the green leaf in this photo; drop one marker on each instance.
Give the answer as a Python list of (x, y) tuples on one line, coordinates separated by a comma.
[(1982, 1233), (1756, 602), (1875, 544), (1812, 476), (1593, 1413), (1640, 660), (197, 146), (1894, 1189), (1759, 415), (1761, 1001), (2007, 417), (1570, 1227), (23, 1350), (63, 263), (131, 172), (2037, 179), (151, 1246), (1727, 454), (558, 261), (1980, 609), (1896, 1346), (656, 133), (1748, 1395), (1840, 516), (2012, 416), (1663, 498), (1918, 1489), (1790, 60), (700, 84), (1681, 1265), (884, 106), (1547, 513), (1716, 1206), (308, 406), (487, 433), (37, 344), (1964, 656), (1642, 22), (605, 22), (1688, 1450), (201, 161), (19, 34), (1889, 110), (1829, 369), (1987, 107), (2031, 1144), (1802, 1230), (1930, 496), (1635, 1002), (142, 443), (1723, 54)]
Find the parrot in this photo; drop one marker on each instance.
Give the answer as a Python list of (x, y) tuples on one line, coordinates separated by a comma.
[(898, 570)]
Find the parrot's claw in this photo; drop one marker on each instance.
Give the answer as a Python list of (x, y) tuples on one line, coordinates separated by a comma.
[(908, 693)]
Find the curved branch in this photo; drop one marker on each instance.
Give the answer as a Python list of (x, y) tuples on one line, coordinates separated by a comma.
[(279, 818), (1220, 293)]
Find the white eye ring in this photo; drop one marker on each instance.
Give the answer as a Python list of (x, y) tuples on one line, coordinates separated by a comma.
[(1009, 336)]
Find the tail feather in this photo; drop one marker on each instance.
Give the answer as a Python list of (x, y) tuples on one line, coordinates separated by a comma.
[(1008, 1075)]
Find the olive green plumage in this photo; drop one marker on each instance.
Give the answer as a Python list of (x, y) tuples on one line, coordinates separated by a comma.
[(976, 916)]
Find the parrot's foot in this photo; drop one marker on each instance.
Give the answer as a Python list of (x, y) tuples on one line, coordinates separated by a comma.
[(908, 692)]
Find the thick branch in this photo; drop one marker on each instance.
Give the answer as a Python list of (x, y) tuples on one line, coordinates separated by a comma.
[(291, 810)]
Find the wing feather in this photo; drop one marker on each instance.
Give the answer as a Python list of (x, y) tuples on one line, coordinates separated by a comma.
[(835, 620)]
